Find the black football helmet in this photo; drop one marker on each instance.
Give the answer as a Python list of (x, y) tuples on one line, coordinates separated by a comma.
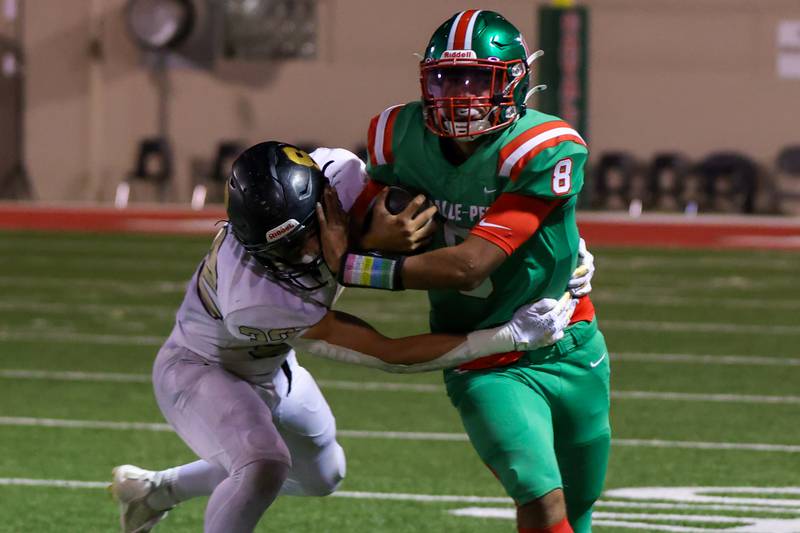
[(272, 193)]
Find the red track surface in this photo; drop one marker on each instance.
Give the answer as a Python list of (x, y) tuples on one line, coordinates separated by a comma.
[(599, 229)]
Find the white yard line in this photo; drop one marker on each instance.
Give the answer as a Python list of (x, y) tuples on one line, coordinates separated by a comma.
[(744, 360), (154, 286), (159, 311), (108, 377), (618, 325), (395, 435), (385, 386), (607, 297), (57, 483), (633, 296), (80, 338), (698, 397), (125, 264), (658, 262), (702, 327), (445, 498), (692, 445)]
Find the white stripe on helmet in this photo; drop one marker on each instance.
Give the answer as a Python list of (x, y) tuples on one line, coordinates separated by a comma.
[(470, 27), (451, 38)]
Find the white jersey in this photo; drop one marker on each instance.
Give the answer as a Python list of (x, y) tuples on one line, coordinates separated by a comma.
[(235, 315)]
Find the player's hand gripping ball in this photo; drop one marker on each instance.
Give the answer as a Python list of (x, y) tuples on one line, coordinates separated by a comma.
[(399, 221)]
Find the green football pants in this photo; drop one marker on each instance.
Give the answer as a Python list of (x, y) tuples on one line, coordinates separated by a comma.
[(542, 423)]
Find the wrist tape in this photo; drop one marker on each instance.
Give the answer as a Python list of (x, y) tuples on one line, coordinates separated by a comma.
[(371, 271)]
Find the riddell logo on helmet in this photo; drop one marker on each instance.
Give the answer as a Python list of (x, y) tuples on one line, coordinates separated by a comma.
[(459, 54), (279, 231)]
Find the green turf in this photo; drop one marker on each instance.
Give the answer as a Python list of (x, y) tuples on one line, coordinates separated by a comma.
[(102, 303)]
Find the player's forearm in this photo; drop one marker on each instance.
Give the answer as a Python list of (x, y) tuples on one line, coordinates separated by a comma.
[(405, 350), (477, 344), (445, 268), (345, 338), (352, 333)]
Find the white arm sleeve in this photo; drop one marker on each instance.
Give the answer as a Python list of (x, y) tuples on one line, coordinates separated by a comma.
[(478, 344)]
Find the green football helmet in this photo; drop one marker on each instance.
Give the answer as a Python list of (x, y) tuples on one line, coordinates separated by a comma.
[(475, 75)]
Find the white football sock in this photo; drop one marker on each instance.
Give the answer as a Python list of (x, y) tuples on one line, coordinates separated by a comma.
[(181, 483)]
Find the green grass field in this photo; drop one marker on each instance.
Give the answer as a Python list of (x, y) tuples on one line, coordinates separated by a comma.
[(705, 366)]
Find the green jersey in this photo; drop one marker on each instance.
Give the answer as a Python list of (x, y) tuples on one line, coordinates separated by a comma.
[(539, 158)]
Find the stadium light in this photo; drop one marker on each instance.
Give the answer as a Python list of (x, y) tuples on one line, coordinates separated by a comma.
[(160, 24)]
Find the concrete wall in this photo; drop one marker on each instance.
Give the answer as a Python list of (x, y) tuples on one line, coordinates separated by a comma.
[(664, 74)]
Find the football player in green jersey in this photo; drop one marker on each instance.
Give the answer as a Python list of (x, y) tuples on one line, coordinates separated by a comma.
[(506, 180)]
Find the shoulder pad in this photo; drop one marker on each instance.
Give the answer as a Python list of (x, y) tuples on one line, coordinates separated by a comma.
[(526, 145), (379, 143)]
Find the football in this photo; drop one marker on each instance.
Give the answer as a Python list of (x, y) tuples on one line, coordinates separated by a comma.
[(398, 198)]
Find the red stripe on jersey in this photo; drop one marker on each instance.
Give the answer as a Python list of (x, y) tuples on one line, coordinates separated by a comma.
[(362, 203), (388, 134), (536, 150), (373, 128), (461, 30), (513, 219), (584, 311), (526, 136)]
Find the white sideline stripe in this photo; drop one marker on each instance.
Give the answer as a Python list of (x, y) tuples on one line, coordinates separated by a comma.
[(448, 498), (705, 327), (395, 435), (384, 386)]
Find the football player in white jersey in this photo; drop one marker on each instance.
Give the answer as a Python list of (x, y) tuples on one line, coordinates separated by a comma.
[(227, 379)]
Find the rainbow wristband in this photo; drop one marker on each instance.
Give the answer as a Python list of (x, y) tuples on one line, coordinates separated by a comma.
[(371, 271)]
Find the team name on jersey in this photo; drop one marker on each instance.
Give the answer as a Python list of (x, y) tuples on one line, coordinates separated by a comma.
[(460, 212)]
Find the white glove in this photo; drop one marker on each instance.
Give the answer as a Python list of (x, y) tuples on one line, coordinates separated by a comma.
[(541, 323), (580, 284)]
